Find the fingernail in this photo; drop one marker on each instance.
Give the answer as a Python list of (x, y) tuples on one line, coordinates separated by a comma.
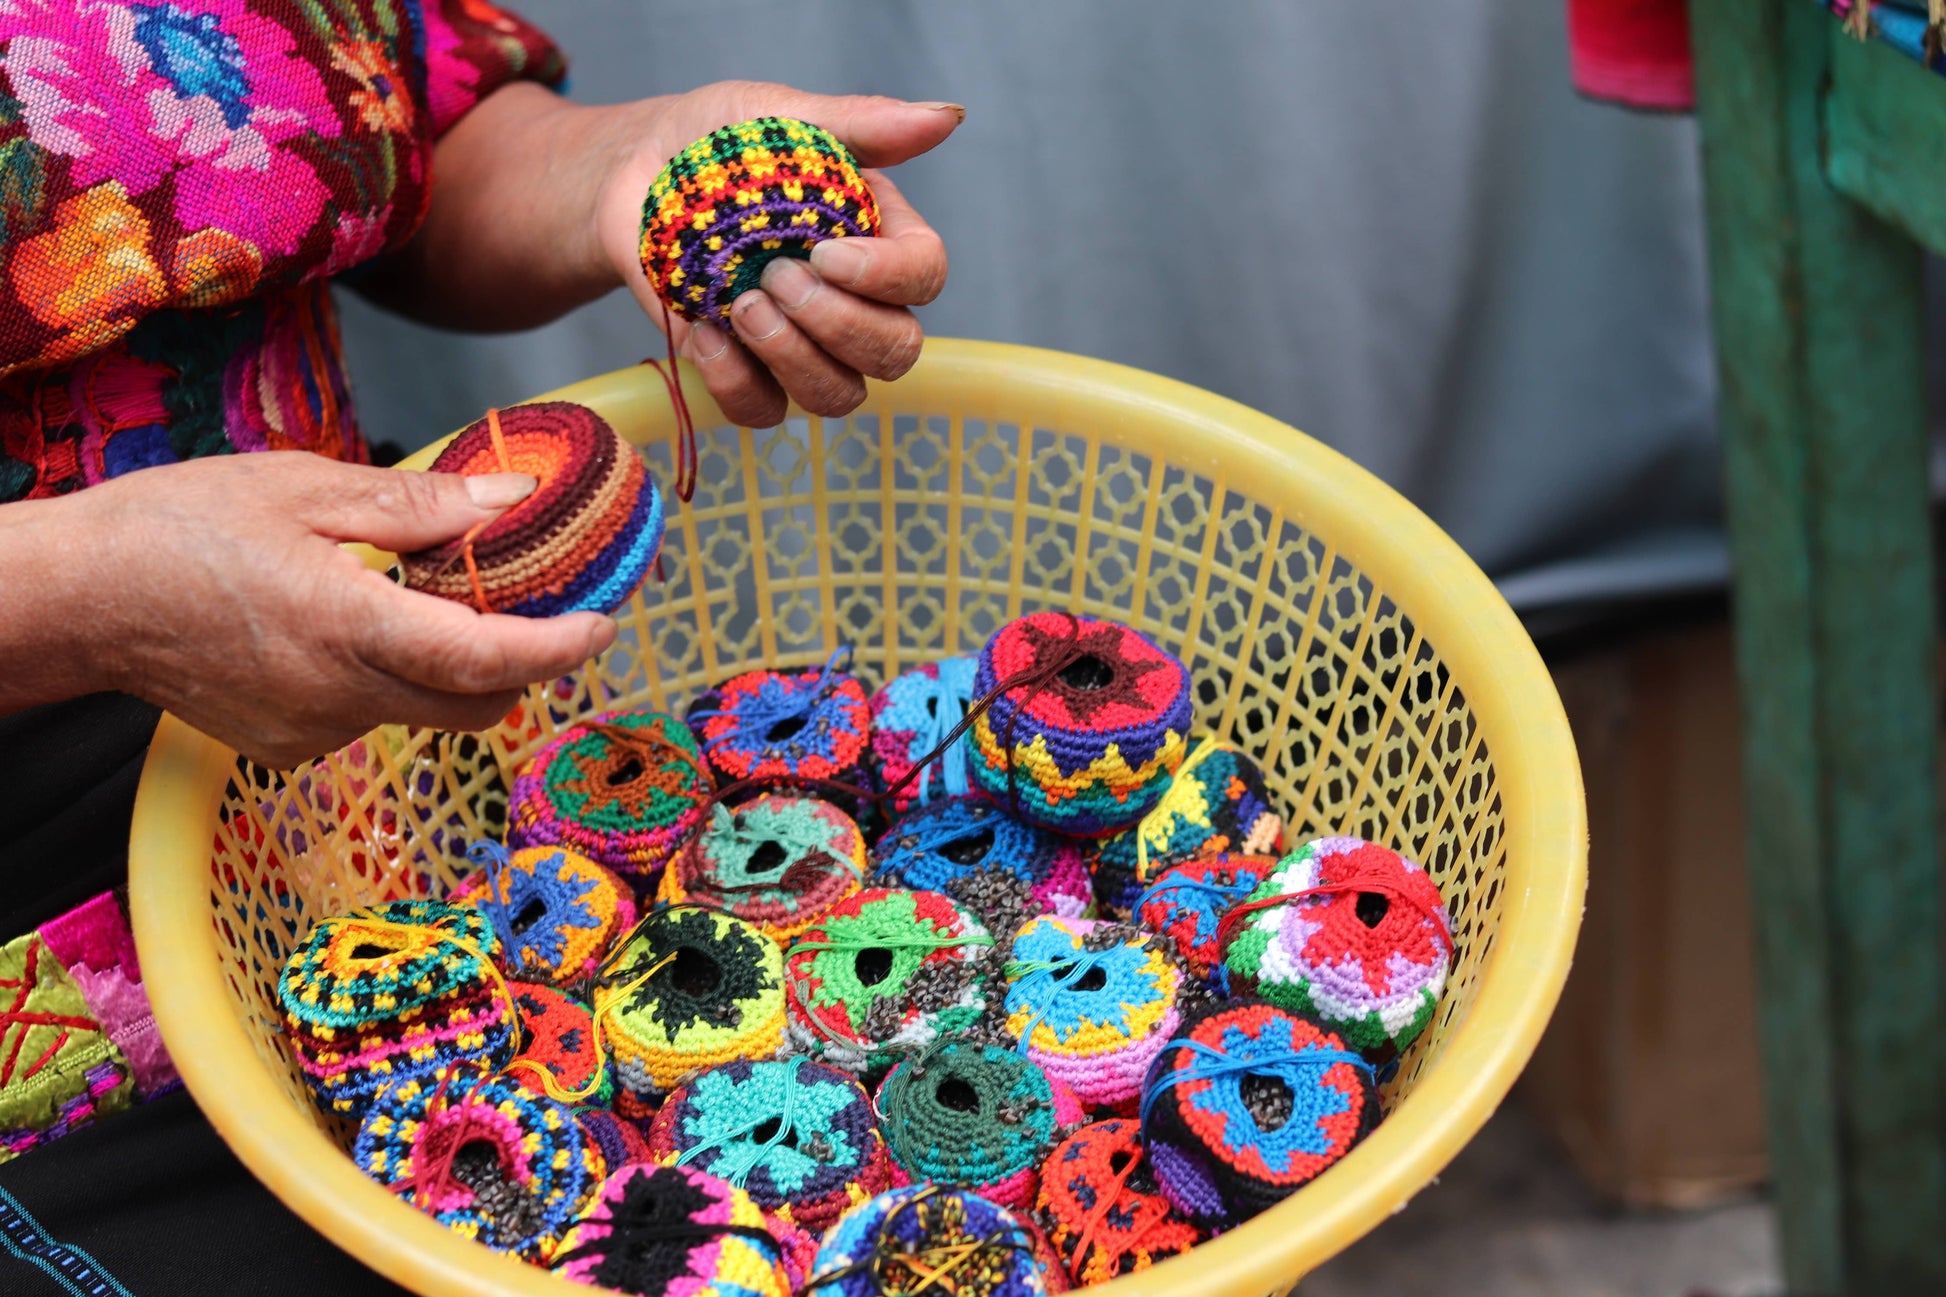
[(757, 317), (499, 490), (707, 342), (841, 261), (957, 110), (789, 283)]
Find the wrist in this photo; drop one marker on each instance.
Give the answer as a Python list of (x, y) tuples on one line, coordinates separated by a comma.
[(61, 624)]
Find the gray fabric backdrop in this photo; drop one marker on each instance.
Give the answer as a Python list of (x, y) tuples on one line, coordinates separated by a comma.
[(1393, 226)]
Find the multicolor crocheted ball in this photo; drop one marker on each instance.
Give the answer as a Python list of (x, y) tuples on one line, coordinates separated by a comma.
[(779, 862), (738, 198), (625, 790), (391, 992), (800, 1137), (1249, 1103), (976, 1116), (1216, 802), (1187, 901), (555, 911), (885, 973), (1106, 1214), (1094, 747), (1092, 1003), (912, 715), (672, 1231), (620, 1140), (785, 725), (692, 989), (483, 1156), (1003, 869), (896, 1242), (558, 1036), (582, 541), (1351, 932), (800, 1249)]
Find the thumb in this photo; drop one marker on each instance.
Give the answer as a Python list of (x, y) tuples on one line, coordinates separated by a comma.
[(881, 132), (405, 511)]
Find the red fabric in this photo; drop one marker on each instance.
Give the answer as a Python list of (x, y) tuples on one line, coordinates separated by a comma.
[(1633, 52)]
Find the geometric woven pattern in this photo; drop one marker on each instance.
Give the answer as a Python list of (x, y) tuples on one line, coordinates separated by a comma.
[(800, 537)]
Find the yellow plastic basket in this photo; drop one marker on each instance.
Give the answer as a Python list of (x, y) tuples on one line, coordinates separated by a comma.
[(1332, 629)]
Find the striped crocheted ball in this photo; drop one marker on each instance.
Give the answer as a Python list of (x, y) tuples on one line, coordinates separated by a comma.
[(625, 790), (1003, 869), (896, 1242), (391, 992), (976, 1116), (1249, 1103), (779, 862), (582, 541), (740, 197), (1187, 901), (672, 1231), (800, 1137), (692, 989), (1106, 1214), (558, 1035), (912, 715), (1092, 1003), (1094, 747), (1216, 802), (885, 973), (784, 725), (484, 1157), (554, 911), (1362, 942), (620, 1140)]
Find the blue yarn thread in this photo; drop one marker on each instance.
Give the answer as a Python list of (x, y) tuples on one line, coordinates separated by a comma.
[(559, 897), (1224, 894), (1212, 1063), (1063, 971), (764, 710), (950, 702)]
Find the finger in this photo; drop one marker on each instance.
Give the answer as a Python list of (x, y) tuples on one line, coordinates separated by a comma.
[(445, 646), (904, 265), (745, 391), (806, 371), (877, 340), (880, 132), (400, 510)]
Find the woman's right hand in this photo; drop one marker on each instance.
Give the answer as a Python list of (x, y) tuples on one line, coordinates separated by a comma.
[(217, 588)]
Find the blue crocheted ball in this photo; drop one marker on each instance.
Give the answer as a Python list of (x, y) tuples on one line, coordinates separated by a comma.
[(1003, 869), (893, 1242)]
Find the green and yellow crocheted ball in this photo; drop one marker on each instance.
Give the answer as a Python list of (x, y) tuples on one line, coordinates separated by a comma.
[(740, 197)]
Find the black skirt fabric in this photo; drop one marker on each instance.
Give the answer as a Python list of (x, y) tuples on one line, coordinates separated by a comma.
[(145, 1203)]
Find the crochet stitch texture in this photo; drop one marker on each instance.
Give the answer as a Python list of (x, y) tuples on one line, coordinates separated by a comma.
[(890, 1245), (911, 716), (1003, 868), (976, 1116), (1106, 1214), (673, 1231), (781, 725), (779, 862)]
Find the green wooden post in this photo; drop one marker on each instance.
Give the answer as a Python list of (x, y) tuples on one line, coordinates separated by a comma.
[(1818, 333)]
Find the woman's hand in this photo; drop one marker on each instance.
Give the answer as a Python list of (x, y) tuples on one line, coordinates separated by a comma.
[(217, 589), (538, 208)]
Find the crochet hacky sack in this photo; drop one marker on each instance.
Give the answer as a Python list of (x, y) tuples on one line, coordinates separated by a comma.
[(911, 716), (784, 725), (976, 1116), (799, 1137), (1105, 1213), (1350, 932), (692, 989), (620, 1140), (625, 790), (1216, 802), (1249, 1103), (390, 992), (1187, 901), (740, 197), (779, 862), (672, 1231), (1091, 747), (558, 1035), (555, 912), (583, 540), (896, 1242), (885, 973), (483, 1156), (1003, 869), (1092, 1003)]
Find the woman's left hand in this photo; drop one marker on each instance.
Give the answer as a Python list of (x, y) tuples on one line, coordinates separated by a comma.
[(538, 208)]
